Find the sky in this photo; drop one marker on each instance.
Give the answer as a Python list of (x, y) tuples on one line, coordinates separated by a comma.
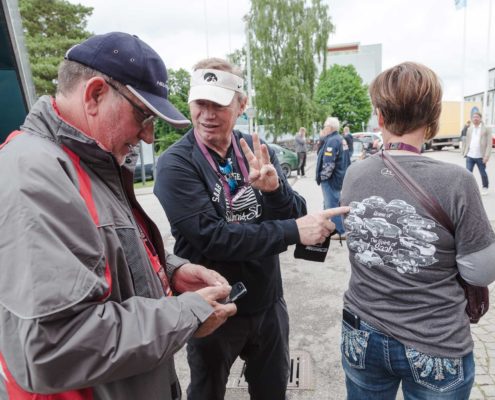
[(426, 31)]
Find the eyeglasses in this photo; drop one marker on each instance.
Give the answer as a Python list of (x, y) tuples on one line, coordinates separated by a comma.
[(144, 118), (227, 171)]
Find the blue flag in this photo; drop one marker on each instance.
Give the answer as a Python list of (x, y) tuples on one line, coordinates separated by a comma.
[(460, 4)]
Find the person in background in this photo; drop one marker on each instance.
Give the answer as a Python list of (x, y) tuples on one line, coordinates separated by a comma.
[(332, 162), (86, 305), (463, 133), (478, 148), (231, 209), (300, 140), (404, 311), (349, 139)]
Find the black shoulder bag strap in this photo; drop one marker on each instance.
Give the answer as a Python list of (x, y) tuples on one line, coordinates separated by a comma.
[(428, 202)]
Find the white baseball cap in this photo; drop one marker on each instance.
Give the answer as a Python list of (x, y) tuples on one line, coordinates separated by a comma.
[(215, 85)]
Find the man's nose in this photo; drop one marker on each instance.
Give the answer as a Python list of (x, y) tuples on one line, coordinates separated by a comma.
[(147, 134), (209, 111)]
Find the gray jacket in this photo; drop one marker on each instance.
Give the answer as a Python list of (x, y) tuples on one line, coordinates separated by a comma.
[(300, 142), (81, 307), (485, 141)]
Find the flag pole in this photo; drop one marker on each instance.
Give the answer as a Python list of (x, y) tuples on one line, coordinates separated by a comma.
[(487, 68), (463, 65)]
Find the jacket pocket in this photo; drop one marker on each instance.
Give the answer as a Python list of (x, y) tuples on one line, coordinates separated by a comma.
[(353, 345), (436, 373)]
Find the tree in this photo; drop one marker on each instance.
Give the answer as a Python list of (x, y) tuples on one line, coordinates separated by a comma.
[(285, 37), (341, 93), (178, 87), (51, 27)]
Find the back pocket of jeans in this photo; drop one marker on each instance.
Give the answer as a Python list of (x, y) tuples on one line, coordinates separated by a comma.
[(436, 373), (353, 345)]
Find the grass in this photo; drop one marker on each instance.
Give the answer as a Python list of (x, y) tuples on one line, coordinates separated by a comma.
[(139, 185)]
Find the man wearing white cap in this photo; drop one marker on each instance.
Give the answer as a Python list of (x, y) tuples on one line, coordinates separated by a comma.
[(231, 209), (86, 305)]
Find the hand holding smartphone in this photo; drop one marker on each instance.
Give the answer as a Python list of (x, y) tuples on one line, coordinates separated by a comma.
[(238, 290)]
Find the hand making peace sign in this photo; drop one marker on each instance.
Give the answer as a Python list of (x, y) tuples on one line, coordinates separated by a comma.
[(262, 174)]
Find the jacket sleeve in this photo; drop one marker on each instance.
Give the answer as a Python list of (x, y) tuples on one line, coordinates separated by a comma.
[(56, 332), (97, 343), (329, 157), (189, 208), (488, 149)]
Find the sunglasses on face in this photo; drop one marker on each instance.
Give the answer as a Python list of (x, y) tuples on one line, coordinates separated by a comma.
[(142, 116)]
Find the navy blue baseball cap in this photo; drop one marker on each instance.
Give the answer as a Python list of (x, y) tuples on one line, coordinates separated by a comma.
[(128, 60)]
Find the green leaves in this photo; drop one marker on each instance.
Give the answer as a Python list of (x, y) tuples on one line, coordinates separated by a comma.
[(341, 93), (178, 84), (286, 37), (51, 27)]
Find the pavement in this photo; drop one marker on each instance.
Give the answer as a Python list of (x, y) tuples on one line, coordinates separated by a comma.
[(314, 291)]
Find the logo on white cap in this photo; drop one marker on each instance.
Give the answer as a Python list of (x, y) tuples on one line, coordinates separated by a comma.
[(215, 85)]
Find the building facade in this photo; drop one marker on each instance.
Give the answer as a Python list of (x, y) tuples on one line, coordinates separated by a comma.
[(367, 59), (489, 113)]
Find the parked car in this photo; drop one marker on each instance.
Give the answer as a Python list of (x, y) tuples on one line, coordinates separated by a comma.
[(420, 247), (287, 158), (416, 221), (398, 206), (148, 172), (357, 208), (420, 234), (357, 244), (146, 151), (374, 202), (371, 138), (380, 227), (353, 223), (369, 258), (359, 152)]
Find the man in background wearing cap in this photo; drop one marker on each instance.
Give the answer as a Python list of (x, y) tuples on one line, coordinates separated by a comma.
[(84, 306), (236, 222)]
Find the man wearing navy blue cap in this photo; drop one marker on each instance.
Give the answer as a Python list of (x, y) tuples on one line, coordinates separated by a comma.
[(86, 305)]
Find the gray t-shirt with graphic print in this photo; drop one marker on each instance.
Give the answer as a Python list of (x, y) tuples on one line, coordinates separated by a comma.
[(403, 263)]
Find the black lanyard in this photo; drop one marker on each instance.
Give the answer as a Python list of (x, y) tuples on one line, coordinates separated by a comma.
[(214, 166)]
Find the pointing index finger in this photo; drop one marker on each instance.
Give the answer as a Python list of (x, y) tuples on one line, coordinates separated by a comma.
[(332, 212)]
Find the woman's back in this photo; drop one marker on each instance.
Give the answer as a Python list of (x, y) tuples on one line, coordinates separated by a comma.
[(404, 268)]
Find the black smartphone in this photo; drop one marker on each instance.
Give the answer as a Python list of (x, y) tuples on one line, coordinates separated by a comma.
[(351, 319), (238, 290)]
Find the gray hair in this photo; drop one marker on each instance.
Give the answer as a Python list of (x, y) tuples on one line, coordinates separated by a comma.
[(332, 122), (71, 73)]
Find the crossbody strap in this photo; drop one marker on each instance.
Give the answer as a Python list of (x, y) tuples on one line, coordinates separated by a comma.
[(428, 202)]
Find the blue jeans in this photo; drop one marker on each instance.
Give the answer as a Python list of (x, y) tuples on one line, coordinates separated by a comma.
[(331, 199), (375, 365), (471, 162)]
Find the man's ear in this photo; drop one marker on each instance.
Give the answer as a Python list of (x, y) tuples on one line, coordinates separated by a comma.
[(243, 105), (94, 92)]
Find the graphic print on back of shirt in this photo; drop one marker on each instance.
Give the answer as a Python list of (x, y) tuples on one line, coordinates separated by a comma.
[(390, 234)]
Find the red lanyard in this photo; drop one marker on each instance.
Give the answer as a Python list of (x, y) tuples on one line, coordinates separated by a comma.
[(214, 166)]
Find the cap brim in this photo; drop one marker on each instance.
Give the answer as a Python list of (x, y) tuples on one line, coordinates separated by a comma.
[(162, 108), (216, 94)]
